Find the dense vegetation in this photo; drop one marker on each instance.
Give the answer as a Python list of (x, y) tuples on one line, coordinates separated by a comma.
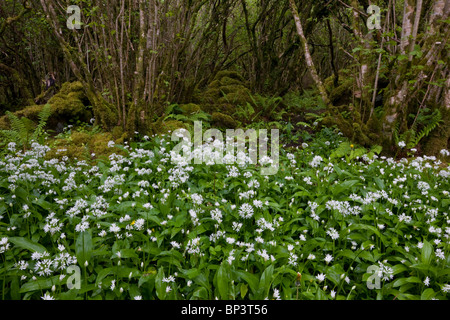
[(90, 194), (140, 226)]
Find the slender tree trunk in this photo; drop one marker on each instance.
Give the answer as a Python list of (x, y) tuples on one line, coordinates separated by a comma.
[(309, 61), (136, 112), (103, 111), (332, 62), (396, 103), (415, 27)]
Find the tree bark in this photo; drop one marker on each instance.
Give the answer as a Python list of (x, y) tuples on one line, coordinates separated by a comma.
[(309, 61), (103, 111)]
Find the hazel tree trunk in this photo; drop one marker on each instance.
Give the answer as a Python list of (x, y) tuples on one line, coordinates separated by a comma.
[(396, 103), (104, 112), (309, 61)]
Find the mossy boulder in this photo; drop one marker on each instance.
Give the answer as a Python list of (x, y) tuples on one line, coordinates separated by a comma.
[(190, 108), (227, 91), (119, 135), (224, 121), (169, 126), (80, 138), (69, 103), (83, 146), (229, 74)]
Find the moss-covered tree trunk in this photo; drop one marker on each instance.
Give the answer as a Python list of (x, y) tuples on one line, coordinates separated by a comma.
[(309, 61), (136, 113), (396, 104), (414, 75), (104, 112)]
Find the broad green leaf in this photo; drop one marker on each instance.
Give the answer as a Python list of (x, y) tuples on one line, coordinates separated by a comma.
[(265, 282), (334, 273), (360, 226), (83, 247), (160, 285), (427, 251), (347, 253), (15, 291), (251, 279), (400, 282), (223, 281), (344, 186), (367, 255), (34, 285), (102, 274), (379, 183), (427, 294), (244, 290), (445, 203), (200, 293), (398, 268), (27, 244), (70, 295), (128, 253)]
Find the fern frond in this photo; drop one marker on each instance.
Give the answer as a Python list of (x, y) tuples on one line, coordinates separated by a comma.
[(395, 132), (10, 135), (43, 117), (435, 120), (18, 126)]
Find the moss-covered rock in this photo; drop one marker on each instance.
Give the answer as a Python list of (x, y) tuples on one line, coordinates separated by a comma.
[(119, 136), (70, 103), (229, 74), (168, 126), (83, 146), (190, 108), (224, 121), (80, 138), (225, 93)]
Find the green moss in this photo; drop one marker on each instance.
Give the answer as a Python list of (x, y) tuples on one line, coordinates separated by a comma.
[(223, 121), (83, 146), (80, 138), (215, 84), (440, 137), (343, 92), (99, 145), (190, 108), (69, 103), (117, 132), (30, 112), (211, 95), (63, 149), (4, 123), (227, 91), (329, 83), (69, 100), (229, 74), (169, 126), (227, 81)]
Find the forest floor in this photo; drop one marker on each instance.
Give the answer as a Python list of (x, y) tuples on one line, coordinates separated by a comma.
[(335, 221)]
